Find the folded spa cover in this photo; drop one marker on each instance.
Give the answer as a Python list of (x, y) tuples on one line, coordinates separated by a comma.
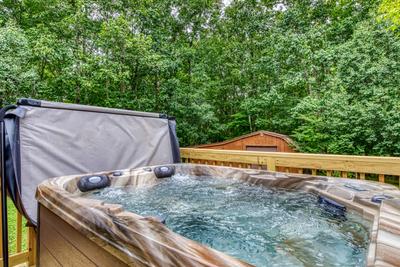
[(47, 139)]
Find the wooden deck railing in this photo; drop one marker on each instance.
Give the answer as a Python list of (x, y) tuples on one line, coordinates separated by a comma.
[(21, 249), (382, 169)]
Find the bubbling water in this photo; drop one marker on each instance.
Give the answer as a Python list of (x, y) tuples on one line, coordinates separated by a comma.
[(262, 226)]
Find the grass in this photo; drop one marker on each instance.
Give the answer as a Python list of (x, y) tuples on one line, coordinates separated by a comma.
[(12, 229)]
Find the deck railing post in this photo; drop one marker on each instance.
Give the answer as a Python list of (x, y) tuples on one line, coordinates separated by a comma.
[(31, 246), (19, 233), (381, 178), (271, 164)]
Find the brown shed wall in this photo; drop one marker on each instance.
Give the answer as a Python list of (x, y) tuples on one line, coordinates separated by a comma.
[(255, 140)]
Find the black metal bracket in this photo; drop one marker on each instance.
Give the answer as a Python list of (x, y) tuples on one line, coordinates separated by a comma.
[(4, 197), (4, 185), (29, 102)]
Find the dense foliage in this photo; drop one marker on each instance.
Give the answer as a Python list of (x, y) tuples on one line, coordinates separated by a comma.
[(325, 72)]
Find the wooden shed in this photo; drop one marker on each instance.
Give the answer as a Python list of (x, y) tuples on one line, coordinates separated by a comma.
[(256, 141)]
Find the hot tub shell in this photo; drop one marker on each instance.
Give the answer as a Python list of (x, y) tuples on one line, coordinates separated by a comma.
[(90, 231)]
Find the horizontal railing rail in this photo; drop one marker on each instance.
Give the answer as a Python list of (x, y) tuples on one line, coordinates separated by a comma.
[(384, 169)]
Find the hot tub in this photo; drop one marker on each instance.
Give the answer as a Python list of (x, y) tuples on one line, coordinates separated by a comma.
[(216, 216)]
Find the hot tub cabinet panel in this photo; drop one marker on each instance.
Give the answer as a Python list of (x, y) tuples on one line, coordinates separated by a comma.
[(78, 231), (63, 245)]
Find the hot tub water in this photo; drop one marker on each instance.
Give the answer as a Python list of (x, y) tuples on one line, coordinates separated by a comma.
[(262, 226)]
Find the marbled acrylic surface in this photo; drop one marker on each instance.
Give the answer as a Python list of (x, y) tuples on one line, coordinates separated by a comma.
[(144, 241)]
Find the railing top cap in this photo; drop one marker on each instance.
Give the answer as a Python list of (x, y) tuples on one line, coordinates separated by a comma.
[(291, 155)]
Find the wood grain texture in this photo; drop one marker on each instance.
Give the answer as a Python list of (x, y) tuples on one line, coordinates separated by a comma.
[(61, 249), (31, 246), (46, 259), (16, 259), (68, 246)]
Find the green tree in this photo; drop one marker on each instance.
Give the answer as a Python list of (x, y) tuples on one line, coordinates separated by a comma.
[(325, 72), (17, 76), (390, 11)]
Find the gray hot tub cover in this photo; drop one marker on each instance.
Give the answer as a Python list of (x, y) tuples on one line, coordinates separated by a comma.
[(47, 139)]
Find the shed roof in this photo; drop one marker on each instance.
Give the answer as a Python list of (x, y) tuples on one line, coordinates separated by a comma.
[(286, 138)]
